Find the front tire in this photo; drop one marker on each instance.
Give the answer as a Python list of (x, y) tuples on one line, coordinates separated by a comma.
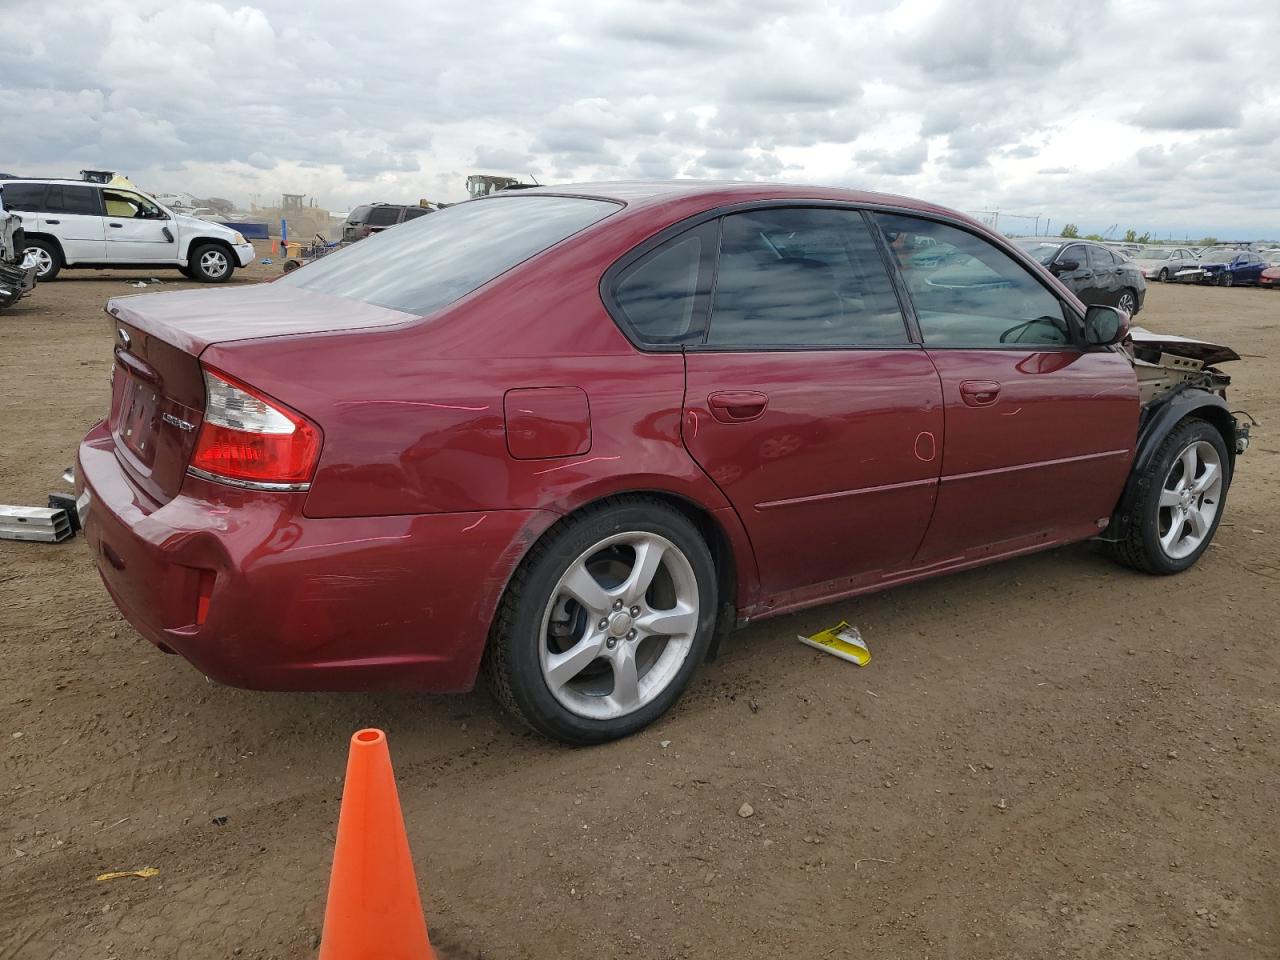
[(1184, 490), (1164, 274), (211, 263), (605, 622), (48, 259), (1225, 279)]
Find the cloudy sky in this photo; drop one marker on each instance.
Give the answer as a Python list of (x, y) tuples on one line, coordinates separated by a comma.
[(1153, 114)]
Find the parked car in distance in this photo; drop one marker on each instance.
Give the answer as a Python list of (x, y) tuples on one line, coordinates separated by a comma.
[(1230, 266), (1270, 278), (1093, 272), (530, 431), (371, 218), (1163, 263), (74, 224)]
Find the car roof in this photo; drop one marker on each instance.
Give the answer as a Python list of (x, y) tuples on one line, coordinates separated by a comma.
[(651, 193), (77, 182)]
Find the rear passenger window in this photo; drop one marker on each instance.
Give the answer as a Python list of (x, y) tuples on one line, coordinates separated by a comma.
[(412, 213), (383, 216), (659, 294), (802, 278), (63, 198), (1101, 257), (22, 196), (969, 293)]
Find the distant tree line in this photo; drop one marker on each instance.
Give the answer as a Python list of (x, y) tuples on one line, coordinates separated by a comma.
[(1072, 232)]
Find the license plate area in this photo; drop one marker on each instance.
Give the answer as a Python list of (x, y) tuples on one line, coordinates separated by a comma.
[(139, 419)]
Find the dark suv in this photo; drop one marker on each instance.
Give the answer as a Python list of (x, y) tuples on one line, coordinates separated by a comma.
[(376, 217)]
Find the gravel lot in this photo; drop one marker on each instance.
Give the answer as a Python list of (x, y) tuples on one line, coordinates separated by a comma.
[(1047, 757)]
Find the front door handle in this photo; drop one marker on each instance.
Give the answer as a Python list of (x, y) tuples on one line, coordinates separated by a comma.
[(116, 225), (53, 223), (979, 393), (737, 406)]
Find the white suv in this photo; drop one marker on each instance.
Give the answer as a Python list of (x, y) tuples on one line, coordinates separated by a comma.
[(72, 223)]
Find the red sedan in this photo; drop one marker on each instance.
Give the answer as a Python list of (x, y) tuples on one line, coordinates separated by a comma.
[(580, 433)]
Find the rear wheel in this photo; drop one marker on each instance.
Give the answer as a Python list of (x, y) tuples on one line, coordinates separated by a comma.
[(48, 259), (605, 622), (1128, 302), (210, 263), (1184, 491)]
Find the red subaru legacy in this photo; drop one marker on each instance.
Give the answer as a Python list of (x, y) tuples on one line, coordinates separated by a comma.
[(580, 433)]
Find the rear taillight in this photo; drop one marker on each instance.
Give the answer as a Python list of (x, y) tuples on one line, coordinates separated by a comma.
[(251, 440)]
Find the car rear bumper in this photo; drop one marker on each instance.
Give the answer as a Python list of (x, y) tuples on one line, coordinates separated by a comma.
[(256, 594)]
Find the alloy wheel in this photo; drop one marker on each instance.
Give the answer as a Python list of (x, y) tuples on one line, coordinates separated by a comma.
[(213, 263), (1189, 499), (44, 260), (619, 625), (1127, 302)]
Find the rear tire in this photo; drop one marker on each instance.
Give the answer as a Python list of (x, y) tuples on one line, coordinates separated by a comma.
[(1184, 487), (211, 263), (1128, 301), (50, 259), (605, 622)]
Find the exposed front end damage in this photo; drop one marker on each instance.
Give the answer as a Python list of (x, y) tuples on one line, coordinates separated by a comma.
[(1177, 379), (1166, 365), (17, 272)]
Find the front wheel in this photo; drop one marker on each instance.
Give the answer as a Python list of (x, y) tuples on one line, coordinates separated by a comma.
[(1183, 492), (210, 263), (48, 259), (605, 622), (1225, 279), (1164, 274)]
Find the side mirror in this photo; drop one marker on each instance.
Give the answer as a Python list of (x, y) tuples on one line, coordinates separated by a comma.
[(1066, 266), (1104, 326)]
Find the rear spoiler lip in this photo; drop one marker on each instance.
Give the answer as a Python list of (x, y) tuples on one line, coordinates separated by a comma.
[(193, 320)]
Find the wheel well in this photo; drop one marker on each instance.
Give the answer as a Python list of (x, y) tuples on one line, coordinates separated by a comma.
[(199, 242), (1223, 422), (712, 533), (46, 237)]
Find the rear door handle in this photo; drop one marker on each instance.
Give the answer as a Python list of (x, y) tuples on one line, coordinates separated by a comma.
[(53, 223), (979, 393), (116, 225), (737, 406)]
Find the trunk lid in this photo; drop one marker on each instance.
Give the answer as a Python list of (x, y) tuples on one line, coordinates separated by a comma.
[(157, 386)]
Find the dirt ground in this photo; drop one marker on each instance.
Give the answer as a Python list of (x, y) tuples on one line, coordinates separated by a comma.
[(1050, 757)]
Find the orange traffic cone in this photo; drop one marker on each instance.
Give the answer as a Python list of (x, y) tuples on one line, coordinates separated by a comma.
[(274, 248), (374, 912)]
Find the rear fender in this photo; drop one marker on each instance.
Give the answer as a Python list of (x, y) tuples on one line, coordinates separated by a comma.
[(1157, 421)]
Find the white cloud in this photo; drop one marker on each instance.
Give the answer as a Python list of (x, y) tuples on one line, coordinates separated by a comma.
[(1097, 112)]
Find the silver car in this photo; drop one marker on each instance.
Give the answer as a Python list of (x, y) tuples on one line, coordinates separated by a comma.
[(1163, 263)]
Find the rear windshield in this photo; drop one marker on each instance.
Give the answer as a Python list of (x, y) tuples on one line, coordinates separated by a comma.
[(430, 262)]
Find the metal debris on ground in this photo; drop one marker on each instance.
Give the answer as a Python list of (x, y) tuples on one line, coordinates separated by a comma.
[(843, 641), (34, 523), (146, 873)]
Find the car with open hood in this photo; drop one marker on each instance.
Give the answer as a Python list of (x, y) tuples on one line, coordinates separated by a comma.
[(576, 435)]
